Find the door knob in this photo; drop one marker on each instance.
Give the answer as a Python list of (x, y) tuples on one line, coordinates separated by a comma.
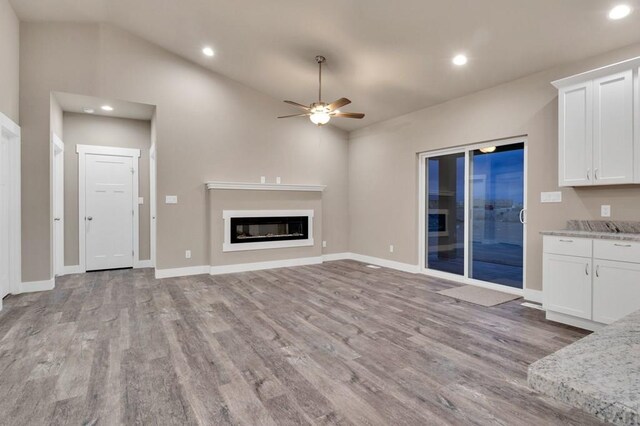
[(89, 217)]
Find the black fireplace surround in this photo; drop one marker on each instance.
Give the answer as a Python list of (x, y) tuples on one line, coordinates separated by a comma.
[(263, 229)]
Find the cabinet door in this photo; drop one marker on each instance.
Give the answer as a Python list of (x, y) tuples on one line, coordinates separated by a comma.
[(567, 285), (616, 290), (613, 129), (575, 135)]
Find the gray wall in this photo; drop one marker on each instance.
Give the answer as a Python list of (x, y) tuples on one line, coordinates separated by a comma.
[(383, 167), (9, 52), (85, 129), (208, 128)]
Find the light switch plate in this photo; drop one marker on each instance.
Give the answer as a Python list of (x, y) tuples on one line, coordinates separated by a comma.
[(171, 199), (605, 211), (140, 200), (324, 244), (551, 197)]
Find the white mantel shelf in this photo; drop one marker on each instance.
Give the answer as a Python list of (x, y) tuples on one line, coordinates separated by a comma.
[(265, 186)]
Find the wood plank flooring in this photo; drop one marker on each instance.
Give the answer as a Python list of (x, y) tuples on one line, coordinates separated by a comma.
[(337, 343)]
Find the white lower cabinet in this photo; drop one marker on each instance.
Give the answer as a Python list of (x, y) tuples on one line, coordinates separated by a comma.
[(581, 288), (616, 290), (567, 285)]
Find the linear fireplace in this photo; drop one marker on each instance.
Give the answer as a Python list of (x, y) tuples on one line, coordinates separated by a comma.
[(265, 229)]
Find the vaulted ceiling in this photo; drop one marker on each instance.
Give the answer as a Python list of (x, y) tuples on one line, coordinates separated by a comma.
[(388, 57)]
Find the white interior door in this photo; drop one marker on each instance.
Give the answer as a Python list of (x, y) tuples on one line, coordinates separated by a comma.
[(5, 266), (58, 205), (109, 212)]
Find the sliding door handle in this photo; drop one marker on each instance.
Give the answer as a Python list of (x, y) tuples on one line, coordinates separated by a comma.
[(586, 269), (522, 216)]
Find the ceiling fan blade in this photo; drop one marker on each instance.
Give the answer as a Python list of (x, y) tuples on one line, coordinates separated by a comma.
[(294, 115), (338, 104), (295, 104), (357, 115)]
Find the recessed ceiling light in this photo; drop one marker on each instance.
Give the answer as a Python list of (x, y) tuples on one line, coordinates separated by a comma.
[(106, 108), (619, 12), (460, 60), (88, 110), (208, 51)]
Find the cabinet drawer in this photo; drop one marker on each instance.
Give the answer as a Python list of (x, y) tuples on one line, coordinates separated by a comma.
[(569, 246), (621, 251)]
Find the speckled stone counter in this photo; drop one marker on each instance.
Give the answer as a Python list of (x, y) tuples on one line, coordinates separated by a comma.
[(599, 374), (599, 229)]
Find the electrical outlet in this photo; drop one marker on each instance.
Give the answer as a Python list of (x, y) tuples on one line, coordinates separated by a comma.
[(278, 180), (171, 199), (263, 179), (605, 211), (187, 254), (324, 244), (391, 248)]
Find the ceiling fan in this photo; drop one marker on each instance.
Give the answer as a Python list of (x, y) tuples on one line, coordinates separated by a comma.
[(321, 112)]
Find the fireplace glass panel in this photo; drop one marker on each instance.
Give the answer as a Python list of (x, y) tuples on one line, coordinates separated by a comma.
[(262, 229)]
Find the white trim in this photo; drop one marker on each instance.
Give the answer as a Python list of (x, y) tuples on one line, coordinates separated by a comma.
[(596, 73), (470, 281), (259, 266), (533, 295), (82, 151), (181, 272), (392, 264), (153, 208), (574, 321), (532, 305), (12, 132), (265, 186), (57, 149), (227, 215), (108, 150), (422, 187), (33, 286), (330, 257)]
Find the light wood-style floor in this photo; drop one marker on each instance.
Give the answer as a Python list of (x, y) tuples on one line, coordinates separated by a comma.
[(337, 343)]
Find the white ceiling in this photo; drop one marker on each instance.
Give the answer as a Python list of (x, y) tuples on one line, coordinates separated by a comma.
[(389, 57), (70, 102)]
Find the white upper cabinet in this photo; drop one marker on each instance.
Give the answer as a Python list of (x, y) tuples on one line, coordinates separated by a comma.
[(576, 133), (598, 144), (613, 129)]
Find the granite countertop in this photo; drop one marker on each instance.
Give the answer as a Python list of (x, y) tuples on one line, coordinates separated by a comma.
[(599, 374), (599, 229)]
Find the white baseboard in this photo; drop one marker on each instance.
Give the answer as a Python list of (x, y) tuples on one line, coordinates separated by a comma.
[(336, 256), (533, 295), (405, 267), (33, 286), (258, 266), (574, 321), (181, 272), (143, 264)]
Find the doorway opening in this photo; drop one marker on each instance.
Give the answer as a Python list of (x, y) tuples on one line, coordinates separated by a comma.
[(473, 214), (96, 141)]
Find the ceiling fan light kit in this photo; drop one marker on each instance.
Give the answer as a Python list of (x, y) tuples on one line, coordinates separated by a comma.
[(320, 113)]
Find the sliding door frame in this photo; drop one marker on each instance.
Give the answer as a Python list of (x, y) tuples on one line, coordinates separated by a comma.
[(422, 205)]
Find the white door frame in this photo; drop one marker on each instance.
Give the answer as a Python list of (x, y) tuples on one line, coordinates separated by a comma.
[(152, 203), (11, 131), (82, 151), (57, 148), (421, 216)]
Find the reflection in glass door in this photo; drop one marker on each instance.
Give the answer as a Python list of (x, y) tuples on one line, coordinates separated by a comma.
[(497, 202), (474, 204), (445, 213)]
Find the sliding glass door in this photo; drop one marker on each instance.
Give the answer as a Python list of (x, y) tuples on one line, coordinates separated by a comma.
[(473, 213)]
